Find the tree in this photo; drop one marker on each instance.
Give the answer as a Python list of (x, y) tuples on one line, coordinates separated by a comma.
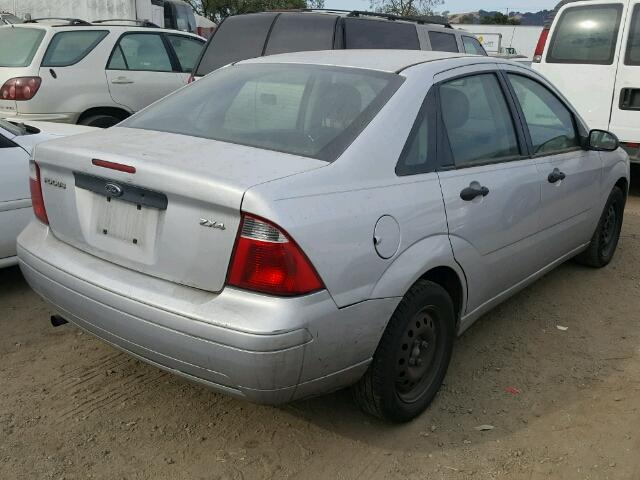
[(217, 10), (499, 19), (406, 8)]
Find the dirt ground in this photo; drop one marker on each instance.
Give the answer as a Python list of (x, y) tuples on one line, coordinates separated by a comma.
[(72, 407)]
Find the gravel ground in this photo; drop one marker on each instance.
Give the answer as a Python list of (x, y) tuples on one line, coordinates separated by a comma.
[(72, 407)]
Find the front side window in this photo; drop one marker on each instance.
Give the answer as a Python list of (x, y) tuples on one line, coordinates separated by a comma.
[(633, 44), (477, 120), (237, 38), (443, 42), (586, 35), (473, 46), (550, 123), (297, 32), (187, 49), (19, 45), (141, 52), (68, 48), (362, 33), (305, 110)]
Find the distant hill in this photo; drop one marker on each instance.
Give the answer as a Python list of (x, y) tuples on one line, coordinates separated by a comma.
[(527, 18)]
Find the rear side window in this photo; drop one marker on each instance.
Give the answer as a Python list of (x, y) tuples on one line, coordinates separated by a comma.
[(68, 48), (633, 45), (550, 123), (19, 45), (477, 119), (296, 32), (141, 52), (361, 33), (443, 42), (187, 49), (586, 35), (473, 46), (238, 38)]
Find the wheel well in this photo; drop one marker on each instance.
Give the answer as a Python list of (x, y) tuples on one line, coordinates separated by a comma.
[(623, 184), (448, 279), (113, 111)]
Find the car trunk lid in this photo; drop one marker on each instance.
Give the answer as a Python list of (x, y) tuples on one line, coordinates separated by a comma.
[(175, 218)]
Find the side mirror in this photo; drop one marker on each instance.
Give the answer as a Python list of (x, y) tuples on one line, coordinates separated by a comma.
[(602, 141)]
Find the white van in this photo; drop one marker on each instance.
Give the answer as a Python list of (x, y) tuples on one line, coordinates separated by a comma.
[(591, 51)]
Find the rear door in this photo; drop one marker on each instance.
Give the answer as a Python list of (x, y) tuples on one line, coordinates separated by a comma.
[(141, 70), (15, 202), (582, 56), (570, 175), (625, 115), (491, 188)]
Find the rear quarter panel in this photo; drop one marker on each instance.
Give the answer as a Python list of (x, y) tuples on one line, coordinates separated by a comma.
[(332, 212)]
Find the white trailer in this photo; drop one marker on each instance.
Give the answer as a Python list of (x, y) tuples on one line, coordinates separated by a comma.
[(178, 13)]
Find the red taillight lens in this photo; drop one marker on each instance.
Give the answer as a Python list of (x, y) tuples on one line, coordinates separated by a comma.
[(267, 260), (20, 88), (542, 42), (191, 79), (36, 193)]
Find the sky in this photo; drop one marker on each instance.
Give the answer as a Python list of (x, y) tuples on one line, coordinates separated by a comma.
[(457, 6)]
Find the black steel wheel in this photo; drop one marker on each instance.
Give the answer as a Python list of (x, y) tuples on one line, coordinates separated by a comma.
[(605, 239), (412, 358)]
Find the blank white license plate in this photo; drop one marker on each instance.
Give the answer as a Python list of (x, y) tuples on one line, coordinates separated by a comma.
[(125, 221)]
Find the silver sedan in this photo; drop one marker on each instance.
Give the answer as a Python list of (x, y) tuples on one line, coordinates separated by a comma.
[(295, 224)]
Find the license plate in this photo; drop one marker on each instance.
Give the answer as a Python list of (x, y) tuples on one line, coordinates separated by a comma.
[(123, 220)]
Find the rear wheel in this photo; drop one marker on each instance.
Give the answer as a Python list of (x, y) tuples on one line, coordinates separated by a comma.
[(100, 121), (605, 239), (411, 360)]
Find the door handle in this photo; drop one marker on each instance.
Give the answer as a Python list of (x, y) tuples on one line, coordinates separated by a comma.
[(556, 176), (122, 81), (472, 191)]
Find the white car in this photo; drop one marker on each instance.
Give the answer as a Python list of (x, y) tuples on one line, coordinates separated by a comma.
[(591, 51), (16, 144), (94, 74)]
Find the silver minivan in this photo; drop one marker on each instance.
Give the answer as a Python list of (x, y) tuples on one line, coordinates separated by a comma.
[(295, 224)]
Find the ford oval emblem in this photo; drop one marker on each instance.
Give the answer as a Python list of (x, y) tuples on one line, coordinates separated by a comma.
[(113, 190)]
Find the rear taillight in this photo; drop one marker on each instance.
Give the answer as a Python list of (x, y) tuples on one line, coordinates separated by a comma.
[(191, 79), (36, 193), (20, 88), (267, 260), (542, 42)]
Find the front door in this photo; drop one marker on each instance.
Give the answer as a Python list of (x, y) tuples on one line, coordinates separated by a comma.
[(570, 175), (141, 71), (625, 113), (491, 190)]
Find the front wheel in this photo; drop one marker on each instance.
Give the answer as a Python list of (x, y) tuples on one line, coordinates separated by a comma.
[(412, 358), (605, 239)]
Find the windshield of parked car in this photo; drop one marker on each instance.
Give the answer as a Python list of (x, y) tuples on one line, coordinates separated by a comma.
[(308, 110), (19, 45)]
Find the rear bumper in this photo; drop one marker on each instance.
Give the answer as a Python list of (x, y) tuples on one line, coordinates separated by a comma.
[(265, 349), (633, 152)]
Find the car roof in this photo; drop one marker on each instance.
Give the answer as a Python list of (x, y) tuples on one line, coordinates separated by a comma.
[(382, 60), (58, 27)]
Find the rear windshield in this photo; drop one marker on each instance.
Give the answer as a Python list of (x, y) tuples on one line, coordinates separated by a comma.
[(363, 33), (297, 32), (19, 45), (237, 38), (586, 35), (307, 110)]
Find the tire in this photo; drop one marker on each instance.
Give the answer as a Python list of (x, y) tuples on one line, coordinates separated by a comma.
[(412, 357), (100, 121), (605, 239)]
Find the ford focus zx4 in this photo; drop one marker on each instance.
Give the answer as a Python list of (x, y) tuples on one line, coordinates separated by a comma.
[(291, 225)]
